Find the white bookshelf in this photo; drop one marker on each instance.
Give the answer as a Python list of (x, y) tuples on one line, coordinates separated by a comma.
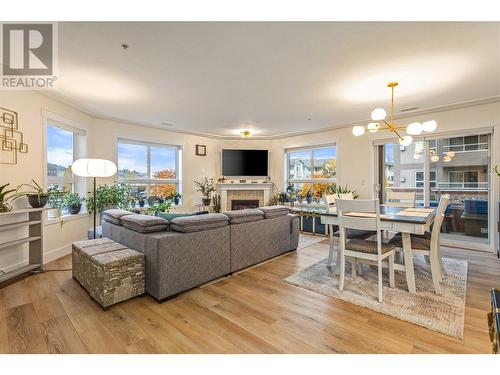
[(18, 227)]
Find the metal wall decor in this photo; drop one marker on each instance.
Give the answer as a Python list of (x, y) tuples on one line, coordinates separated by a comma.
[(11, 139)]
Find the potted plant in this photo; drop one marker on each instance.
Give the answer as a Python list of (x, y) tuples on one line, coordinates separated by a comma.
[(37, 197), (160, 207), (206, 187), (109, 196), (216, 203), (346, 190), (73, 203), (141, 200), (4, 205), (56, 200), (176, 197)]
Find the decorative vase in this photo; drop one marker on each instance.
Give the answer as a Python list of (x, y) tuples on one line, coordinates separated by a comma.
[(5, 207), (206, 201), (74, 209), (38, 201)]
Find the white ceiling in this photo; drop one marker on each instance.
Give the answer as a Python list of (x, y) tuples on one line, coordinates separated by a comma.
[(274, 78)]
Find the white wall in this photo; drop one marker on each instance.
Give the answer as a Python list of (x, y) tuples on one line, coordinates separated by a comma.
[(29, 106), (355, 155)]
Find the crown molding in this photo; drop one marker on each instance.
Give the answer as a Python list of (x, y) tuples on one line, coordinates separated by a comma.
[(417, 112)]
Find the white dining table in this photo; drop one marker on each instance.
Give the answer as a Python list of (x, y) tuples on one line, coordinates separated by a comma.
[(404, 220)]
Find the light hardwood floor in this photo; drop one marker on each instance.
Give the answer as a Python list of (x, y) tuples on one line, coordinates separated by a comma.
[(251, 312)]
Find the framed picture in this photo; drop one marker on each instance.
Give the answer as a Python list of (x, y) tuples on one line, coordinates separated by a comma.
[(201, 150)]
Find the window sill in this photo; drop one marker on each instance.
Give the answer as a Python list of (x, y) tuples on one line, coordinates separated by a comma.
[(65, 218)]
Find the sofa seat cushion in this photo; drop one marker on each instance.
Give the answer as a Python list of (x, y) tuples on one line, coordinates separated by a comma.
[(144, 223), (274, 211), (244, 216), (198, 223), (114, 215)]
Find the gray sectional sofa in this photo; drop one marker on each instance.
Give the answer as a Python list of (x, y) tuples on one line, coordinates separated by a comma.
[(189, 251)]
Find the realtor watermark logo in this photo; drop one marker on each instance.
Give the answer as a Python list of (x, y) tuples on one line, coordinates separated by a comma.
[(29, 56)]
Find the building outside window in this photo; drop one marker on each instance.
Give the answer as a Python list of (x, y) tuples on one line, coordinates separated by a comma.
[(151, 169), (312, 170), (458, 166)]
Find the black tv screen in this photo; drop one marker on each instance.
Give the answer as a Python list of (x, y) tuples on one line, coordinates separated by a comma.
[(244, 162)]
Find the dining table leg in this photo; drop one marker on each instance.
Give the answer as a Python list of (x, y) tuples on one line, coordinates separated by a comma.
[(330, 253), (409, 271)]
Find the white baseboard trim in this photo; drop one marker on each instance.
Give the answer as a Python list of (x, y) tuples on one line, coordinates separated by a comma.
[(49, 256)]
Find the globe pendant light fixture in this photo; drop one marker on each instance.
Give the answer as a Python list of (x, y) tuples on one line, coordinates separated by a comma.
[(379, 123)]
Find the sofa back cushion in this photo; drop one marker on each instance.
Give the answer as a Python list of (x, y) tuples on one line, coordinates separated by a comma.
[(114, 215), (198, 223), (144, 223), (244, 216), (271, 212)]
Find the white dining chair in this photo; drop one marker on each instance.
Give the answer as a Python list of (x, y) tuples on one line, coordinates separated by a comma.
[(429, 243), (329, 199), (400, 198), (363, 215)]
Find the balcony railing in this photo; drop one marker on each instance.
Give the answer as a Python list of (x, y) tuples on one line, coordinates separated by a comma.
[(480, 146)]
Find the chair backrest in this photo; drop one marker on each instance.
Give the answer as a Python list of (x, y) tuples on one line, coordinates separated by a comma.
[(361, 214), (400, 198), (329, 199), (438, 221)]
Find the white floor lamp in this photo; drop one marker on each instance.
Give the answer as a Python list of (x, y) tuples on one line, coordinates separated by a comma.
[(94, 168)]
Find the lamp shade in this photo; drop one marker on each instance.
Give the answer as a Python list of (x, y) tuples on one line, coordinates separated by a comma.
[(93, 168)]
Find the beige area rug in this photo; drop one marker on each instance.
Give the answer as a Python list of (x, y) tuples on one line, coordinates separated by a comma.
[(306, 240), (442, 313)]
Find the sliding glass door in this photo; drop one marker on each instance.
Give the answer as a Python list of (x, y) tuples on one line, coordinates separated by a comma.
[(461, 168), (455, 165)]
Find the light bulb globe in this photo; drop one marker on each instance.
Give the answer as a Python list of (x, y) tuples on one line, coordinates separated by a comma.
[(415, 128), (378, 114), (406, 140), (358, 130), (429, 126)]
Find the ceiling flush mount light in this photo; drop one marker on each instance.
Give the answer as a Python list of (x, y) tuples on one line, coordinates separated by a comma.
[(379, 115), (246, 133)]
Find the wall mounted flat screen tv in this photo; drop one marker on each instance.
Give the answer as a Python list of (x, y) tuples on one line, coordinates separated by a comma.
[(245, 163)]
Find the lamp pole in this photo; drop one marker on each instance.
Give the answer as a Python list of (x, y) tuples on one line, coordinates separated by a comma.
[(94, 208)]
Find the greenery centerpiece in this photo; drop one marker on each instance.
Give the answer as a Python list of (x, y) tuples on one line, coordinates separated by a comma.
[(206, 187)]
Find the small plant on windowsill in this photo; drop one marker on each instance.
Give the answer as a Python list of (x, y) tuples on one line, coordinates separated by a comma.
[(175, 197), (73, 203)]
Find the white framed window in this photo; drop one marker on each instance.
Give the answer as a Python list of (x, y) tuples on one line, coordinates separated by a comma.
[(311, 169), (467, 143), (65, 142), (151, 169)]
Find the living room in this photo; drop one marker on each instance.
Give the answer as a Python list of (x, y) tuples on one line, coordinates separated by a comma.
[(249, 187)]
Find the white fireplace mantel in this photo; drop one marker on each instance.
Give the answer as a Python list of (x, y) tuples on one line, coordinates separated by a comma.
[(223, 188)]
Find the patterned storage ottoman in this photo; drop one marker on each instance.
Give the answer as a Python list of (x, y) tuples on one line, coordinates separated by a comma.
[(109, 271)]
